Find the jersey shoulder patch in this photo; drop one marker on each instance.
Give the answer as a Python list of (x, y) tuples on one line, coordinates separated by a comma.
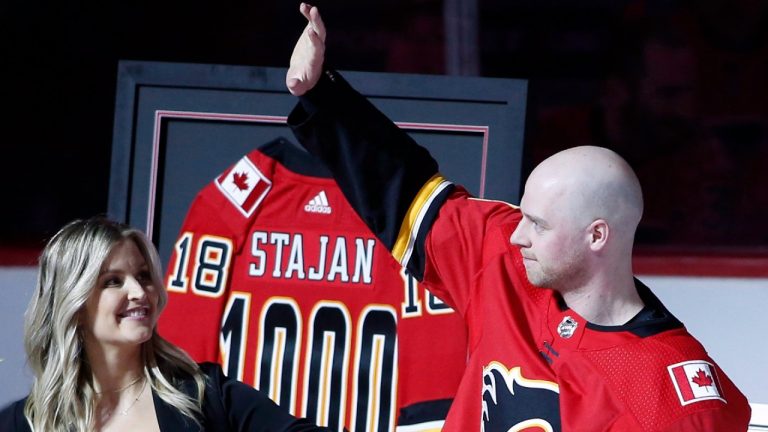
[(244, 185), (695, 381)]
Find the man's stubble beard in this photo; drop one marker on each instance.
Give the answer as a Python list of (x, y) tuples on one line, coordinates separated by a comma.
[(566, 276)]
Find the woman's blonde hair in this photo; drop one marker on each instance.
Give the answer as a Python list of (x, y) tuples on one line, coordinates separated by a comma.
[(62, 396)]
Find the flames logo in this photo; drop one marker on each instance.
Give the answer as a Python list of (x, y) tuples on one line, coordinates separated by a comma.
[(512, 403)]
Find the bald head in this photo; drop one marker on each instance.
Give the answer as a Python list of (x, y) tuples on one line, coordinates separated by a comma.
[(591, 183)]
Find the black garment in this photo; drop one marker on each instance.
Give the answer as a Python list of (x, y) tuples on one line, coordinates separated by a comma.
[(229, 405), (379, 167)]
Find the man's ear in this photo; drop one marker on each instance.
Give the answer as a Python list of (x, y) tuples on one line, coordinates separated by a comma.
[(598, 232)]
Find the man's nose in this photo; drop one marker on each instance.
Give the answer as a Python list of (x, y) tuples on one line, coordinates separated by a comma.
[(518, 237)]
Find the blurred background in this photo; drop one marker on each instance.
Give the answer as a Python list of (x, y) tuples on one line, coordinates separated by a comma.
[(677, 87)]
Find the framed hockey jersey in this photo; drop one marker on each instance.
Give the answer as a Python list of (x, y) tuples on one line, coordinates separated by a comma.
[(292, 293), (278, 280)]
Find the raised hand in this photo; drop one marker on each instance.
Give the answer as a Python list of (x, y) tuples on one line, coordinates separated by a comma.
[(307, 59)]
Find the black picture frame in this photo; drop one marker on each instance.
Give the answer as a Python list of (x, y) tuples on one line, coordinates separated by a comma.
[(178, 125)]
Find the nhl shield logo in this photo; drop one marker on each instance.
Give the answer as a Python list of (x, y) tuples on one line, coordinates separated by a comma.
[(567, 327)]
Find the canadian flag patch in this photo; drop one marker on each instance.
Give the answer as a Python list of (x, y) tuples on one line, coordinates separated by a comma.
[(244, 185), (695, 381)]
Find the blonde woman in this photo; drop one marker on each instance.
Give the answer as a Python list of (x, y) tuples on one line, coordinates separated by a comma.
[(98, 362)]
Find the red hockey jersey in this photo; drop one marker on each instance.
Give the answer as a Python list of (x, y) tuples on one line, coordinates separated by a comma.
[(274, 276), (537, 365), (534, 363)]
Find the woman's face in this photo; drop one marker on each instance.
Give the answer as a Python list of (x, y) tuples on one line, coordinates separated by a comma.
[(122, 308)]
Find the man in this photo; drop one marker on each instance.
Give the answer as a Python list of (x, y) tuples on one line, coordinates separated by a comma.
[(562, 336)]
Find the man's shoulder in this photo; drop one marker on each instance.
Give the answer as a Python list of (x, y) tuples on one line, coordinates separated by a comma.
[(494, 218), (652, 356), (668, 378), (678, 341)]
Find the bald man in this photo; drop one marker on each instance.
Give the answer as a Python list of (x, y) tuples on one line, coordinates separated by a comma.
[(562, 336), (580, 210)]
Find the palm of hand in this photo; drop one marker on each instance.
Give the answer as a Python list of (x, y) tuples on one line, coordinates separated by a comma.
[(307, 58)]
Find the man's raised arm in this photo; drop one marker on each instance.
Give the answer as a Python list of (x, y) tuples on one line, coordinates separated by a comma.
[(308, 54), (388, 179)]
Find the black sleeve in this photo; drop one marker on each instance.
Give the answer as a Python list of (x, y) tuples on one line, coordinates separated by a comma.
[(245, 408), (12, 417), (380, 169)]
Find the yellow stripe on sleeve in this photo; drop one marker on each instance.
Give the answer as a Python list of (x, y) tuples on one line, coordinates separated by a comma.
[(412, 220)]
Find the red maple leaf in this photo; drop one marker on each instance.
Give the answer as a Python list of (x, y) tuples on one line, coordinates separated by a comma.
[(702, 379), (240, 180)]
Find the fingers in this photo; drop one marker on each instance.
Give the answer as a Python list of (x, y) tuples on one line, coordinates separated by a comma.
[(312, 14), (315, 38), (317, 22), (307, 58), (305, 9)]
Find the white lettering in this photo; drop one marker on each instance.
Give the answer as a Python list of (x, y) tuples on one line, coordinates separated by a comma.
[(255, 269), (316, 273), (339, 261), (279, 240), (313, 208), (363, 260), (269, 248), (296, 262)]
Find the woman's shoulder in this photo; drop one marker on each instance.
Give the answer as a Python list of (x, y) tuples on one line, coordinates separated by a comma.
[(215, 378), (12, 417), (210, 369), (212, 374), (184, 376)]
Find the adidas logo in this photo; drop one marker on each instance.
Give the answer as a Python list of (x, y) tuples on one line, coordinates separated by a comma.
[(318, 204)]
